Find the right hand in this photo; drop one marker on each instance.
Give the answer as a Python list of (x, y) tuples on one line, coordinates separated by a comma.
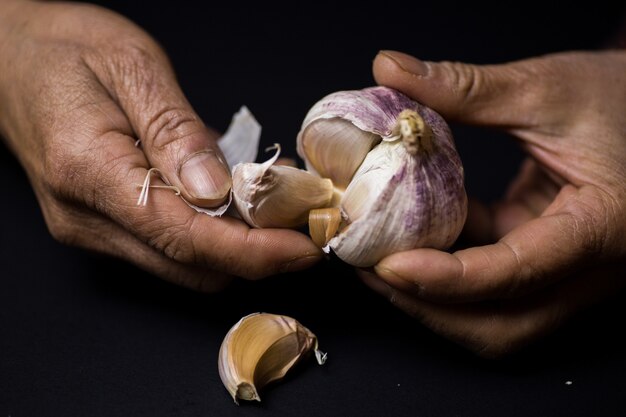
[(78, 86), (555, 244)]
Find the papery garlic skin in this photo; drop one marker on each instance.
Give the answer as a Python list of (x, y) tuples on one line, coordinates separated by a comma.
[(404, 195), (401, 211), (374, 110)]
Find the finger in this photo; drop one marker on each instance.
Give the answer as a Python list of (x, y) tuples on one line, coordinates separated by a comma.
[(486, 224), (171, 227), (531, 256), (527, 197), (532, 188), (488, 329), (89, 230), (173, 136), (462, 92), (478, 228), (493, 329)]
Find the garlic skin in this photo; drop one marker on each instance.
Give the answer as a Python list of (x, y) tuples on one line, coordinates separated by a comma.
[(330, 137), (409, 190), (399, 202), (261, 348)]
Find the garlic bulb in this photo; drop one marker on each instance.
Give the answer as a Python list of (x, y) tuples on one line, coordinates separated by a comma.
[(397, 176), (261, 348)]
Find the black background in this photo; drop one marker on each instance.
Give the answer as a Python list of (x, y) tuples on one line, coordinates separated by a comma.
[(83, 335)]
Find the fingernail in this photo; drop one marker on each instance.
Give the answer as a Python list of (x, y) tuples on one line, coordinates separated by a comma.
[(385, 272), (205, 176), (397, 279), (407, 63), (377, 284), (300, 263)]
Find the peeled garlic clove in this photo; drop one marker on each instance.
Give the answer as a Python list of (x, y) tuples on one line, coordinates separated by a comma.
[(409, 191), (335, 149), (261, 348), (268, 195)]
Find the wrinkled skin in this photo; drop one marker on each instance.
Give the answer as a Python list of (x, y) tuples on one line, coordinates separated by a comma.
[(556, 242), (78, 86)]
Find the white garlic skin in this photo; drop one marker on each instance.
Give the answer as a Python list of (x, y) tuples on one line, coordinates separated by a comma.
[(397, 200)]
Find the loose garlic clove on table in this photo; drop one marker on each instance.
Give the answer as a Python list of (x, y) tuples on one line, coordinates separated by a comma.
[(262, 348), (397, 177)]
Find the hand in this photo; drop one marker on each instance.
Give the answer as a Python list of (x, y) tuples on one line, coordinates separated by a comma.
[(78, 86), (559, 231)]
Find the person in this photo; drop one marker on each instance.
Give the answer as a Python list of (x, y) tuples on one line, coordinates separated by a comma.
[(79, 84)]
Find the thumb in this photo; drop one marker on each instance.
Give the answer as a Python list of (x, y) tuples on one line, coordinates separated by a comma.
[(173, 137), (485, 95)]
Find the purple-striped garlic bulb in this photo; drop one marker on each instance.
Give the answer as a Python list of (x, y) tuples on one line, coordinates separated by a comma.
[(397, 177)]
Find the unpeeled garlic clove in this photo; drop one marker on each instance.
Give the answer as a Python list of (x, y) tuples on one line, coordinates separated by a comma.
[(268, 195), (262, 348)]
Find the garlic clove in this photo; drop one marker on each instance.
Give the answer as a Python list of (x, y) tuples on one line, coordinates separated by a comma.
[(268, 195), (262, 348), (398, 201), (323, 224), (334, 148)]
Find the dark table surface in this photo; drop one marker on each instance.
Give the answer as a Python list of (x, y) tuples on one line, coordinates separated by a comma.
[(84, 335)]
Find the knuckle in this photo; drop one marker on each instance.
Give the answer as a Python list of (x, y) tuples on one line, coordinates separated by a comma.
[(590, 223), (169, 125), (102, 192), (172, 239), (61, 232), (589, 233), (134, 63), (60, 225), (466, 80), (86, 174)]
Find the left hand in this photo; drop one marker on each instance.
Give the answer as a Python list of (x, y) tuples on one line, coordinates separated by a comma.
[(560, 230)]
